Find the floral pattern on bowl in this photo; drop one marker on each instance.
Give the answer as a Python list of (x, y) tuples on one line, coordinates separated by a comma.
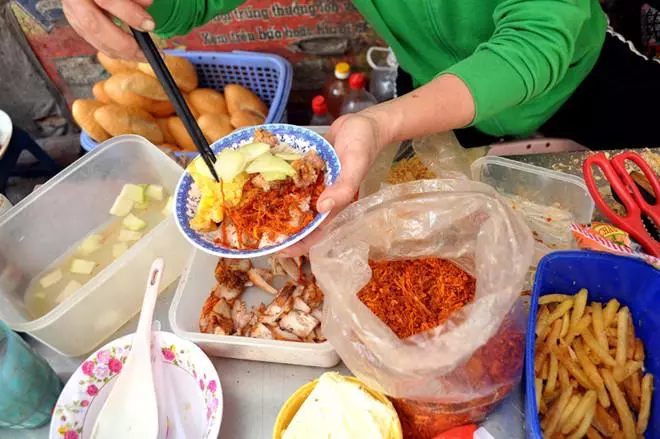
[(187, 195), (101, 368)]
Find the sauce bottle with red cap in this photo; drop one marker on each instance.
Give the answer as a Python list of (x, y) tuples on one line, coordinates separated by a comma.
[(336, 89), (358, 97), (320, 114)]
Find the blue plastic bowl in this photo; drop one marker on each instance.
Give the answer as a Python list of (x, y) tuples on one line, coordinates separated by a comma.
[(630, 281)]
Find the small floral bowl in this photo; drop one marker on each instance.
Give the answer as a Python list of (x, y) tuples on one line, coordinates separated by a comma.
[(187, 385), (300, 139)]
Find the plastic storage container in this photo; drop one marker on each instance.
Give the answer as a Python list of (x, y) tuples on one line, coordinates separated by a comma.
[(196, 283), (269, 76), (630, 281), (67, 208), (543, 187)]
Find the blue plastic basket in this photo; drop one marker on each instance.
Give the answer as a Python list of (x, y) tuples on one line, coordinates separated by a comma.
[(630, 281), (269, 76)]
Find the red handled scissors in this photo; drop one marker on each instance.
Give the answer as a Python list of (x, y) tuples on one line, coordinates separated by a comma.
[(625, 188)]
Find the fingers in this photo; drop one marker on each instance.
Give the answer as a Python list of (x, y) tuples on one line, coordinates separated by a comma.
[(129, 12), (98, 29), (302, 248), (355, 160), (355, 140)]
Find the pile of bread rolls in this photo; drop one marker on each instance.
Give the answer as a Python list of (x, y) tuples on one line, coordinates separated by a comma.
[(132, 101)]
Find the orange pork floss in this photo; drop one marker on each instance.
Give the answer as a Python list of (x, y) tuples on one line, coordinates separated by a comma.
[(414, 296)]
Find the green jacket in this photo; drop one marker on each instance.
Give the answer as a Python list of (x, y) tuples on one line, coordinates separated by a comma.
[(521, 59)]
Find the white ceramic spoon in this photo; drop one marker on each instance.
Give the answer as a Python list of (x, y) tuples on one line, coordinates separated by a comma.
[(131, 410)]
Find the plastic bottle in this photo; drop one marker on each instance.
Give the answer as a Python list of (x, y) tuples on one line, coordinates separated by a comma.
[(358, 98), (383, 74), (336, 89), (321, 116)]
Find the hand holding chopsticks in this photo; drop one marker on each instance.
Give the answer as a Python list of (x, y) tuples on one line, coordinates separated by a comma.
[(180, 105)]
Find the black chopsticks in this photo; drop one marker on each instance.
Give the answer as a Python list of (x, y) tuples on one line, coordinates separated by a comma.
[(178, 101)]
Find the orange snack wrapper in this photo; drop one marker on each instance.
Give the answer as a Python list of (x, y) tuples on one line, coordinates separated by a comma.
[(588, 239)]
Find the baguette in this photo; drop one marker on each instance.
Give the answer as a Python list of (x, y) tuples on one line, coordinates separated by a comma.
[(246, 118), (180, 133), (99, 92), (165, 129), (193, 110), (118, 120), (214, 126), (207, 101), (115, 66), (83, 113), (240, 98), (182, 71), (159, 108), (122, 87)]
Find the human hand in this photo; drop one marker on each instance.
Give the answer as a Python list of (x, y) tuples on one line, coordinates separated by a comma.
[(91, 19), (357, 140)]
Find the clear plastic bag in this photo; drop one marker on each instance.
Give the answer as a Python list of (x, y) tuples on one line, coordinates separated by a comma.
[(456, 372)]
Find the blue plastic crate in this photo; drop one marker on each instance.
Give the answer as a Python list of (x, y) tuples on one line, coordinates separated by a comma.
[(630, 281), (269, 76)]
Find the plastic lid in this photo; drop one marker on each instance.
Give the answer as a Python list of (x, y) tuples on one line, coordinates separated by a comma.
[(319, 106), (342, 70), (357, 81)]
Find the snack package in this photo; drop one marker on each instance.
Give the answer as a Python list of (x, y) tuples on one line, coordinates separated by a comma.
[(611, 233), (456, 372), (589, 239)]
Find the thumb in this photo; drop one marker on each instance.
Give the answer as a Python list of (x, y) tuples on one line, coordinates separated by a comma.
[(354, 168)]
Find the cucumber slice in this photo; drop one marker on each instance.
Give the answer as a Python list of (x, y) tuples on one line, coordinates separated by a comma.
[(269, 163), (133, 192), (274, 176), (253, 150), (51, 279), (119, 249), (81, 266), (129, 236), (155, 192), (169, 206), (289, 156), (68, 291), (122, 207), (91, 244), (131, 222)]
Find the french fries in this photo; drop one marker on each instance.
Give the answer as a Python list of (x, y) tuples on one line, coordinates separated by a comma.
[(590, 381), (645, 408)]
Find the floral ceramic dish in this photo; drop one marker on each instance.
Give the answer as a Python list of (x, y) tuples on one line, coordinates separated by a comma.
[(190, 404), (298, 140)]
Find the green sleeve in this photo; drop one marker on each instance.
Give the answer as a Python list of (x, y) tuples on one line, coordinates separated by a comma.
[(528, 53), (179, 17)]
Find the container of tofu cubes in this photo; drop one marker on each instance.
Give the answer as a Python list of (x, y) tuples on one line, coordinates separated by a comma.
[(74, 255)]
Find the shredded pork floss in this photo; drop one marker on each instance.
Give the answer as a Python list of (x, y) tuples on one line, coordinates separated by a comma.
[(472, 359)]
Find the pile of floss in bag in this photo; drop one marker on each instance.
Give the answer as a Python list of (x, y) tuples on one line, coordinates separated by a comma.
[(453, 373)]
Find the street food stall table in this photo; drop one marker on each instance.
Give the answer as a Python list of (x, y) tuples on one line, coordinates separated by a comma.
[(254, 392)]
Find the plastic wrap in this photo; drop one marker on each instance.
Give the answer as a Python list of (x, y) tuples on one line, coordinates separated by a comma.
[(445, 157), (454, 373)]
